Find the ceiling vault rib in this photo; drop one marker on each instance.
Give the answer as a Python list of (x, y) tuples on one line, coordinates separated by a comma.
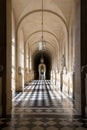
[(43, 31), (49, 11), (48, 43)]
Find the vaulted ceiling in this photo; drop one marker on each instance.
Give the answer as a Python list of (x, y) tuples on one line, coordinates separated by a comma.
[(56, 21)]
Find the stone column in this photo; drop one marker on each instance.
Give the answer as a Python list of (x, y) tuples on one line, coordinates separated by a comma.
[(26, 65), (5, 58), (20, 80), (77, 54), (20, 62), (67, 54), (73, 85), (55, 76), (61, 81), (8, 57)]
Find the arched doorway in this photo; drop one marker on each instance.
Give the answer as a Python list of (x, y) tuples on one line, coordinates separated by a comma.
[(76, 57), (45, 67), (42, 70)]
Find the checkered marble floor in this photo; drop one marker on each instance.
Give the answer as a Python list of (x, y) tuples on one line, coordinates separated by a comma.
[(43, 123), (42, 107), (41, 97)]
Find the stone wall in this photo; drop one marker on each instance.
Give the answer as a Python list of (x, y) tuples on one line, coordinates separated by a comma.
[(84, 56), (8, 57), (77, 63), (3, 54)]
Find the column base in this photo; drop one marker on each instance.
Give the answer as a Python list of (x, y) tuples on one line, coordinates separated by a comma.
[(20, 84)]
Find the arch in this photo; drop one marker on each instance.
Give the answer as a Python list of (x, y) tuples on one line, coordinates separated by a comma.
[(42, 71), (43, 31), (56, 14), (49, 11), (48, 43), (47, 61)]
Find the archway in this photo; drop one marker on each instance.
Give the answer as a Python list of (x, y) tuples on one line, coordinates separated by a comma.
[(75, 40), (47, 62), (42, 70)]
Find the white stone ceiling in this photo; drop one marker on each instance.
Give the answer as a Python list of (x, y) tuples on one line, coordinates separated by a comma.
[(56, 20)]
